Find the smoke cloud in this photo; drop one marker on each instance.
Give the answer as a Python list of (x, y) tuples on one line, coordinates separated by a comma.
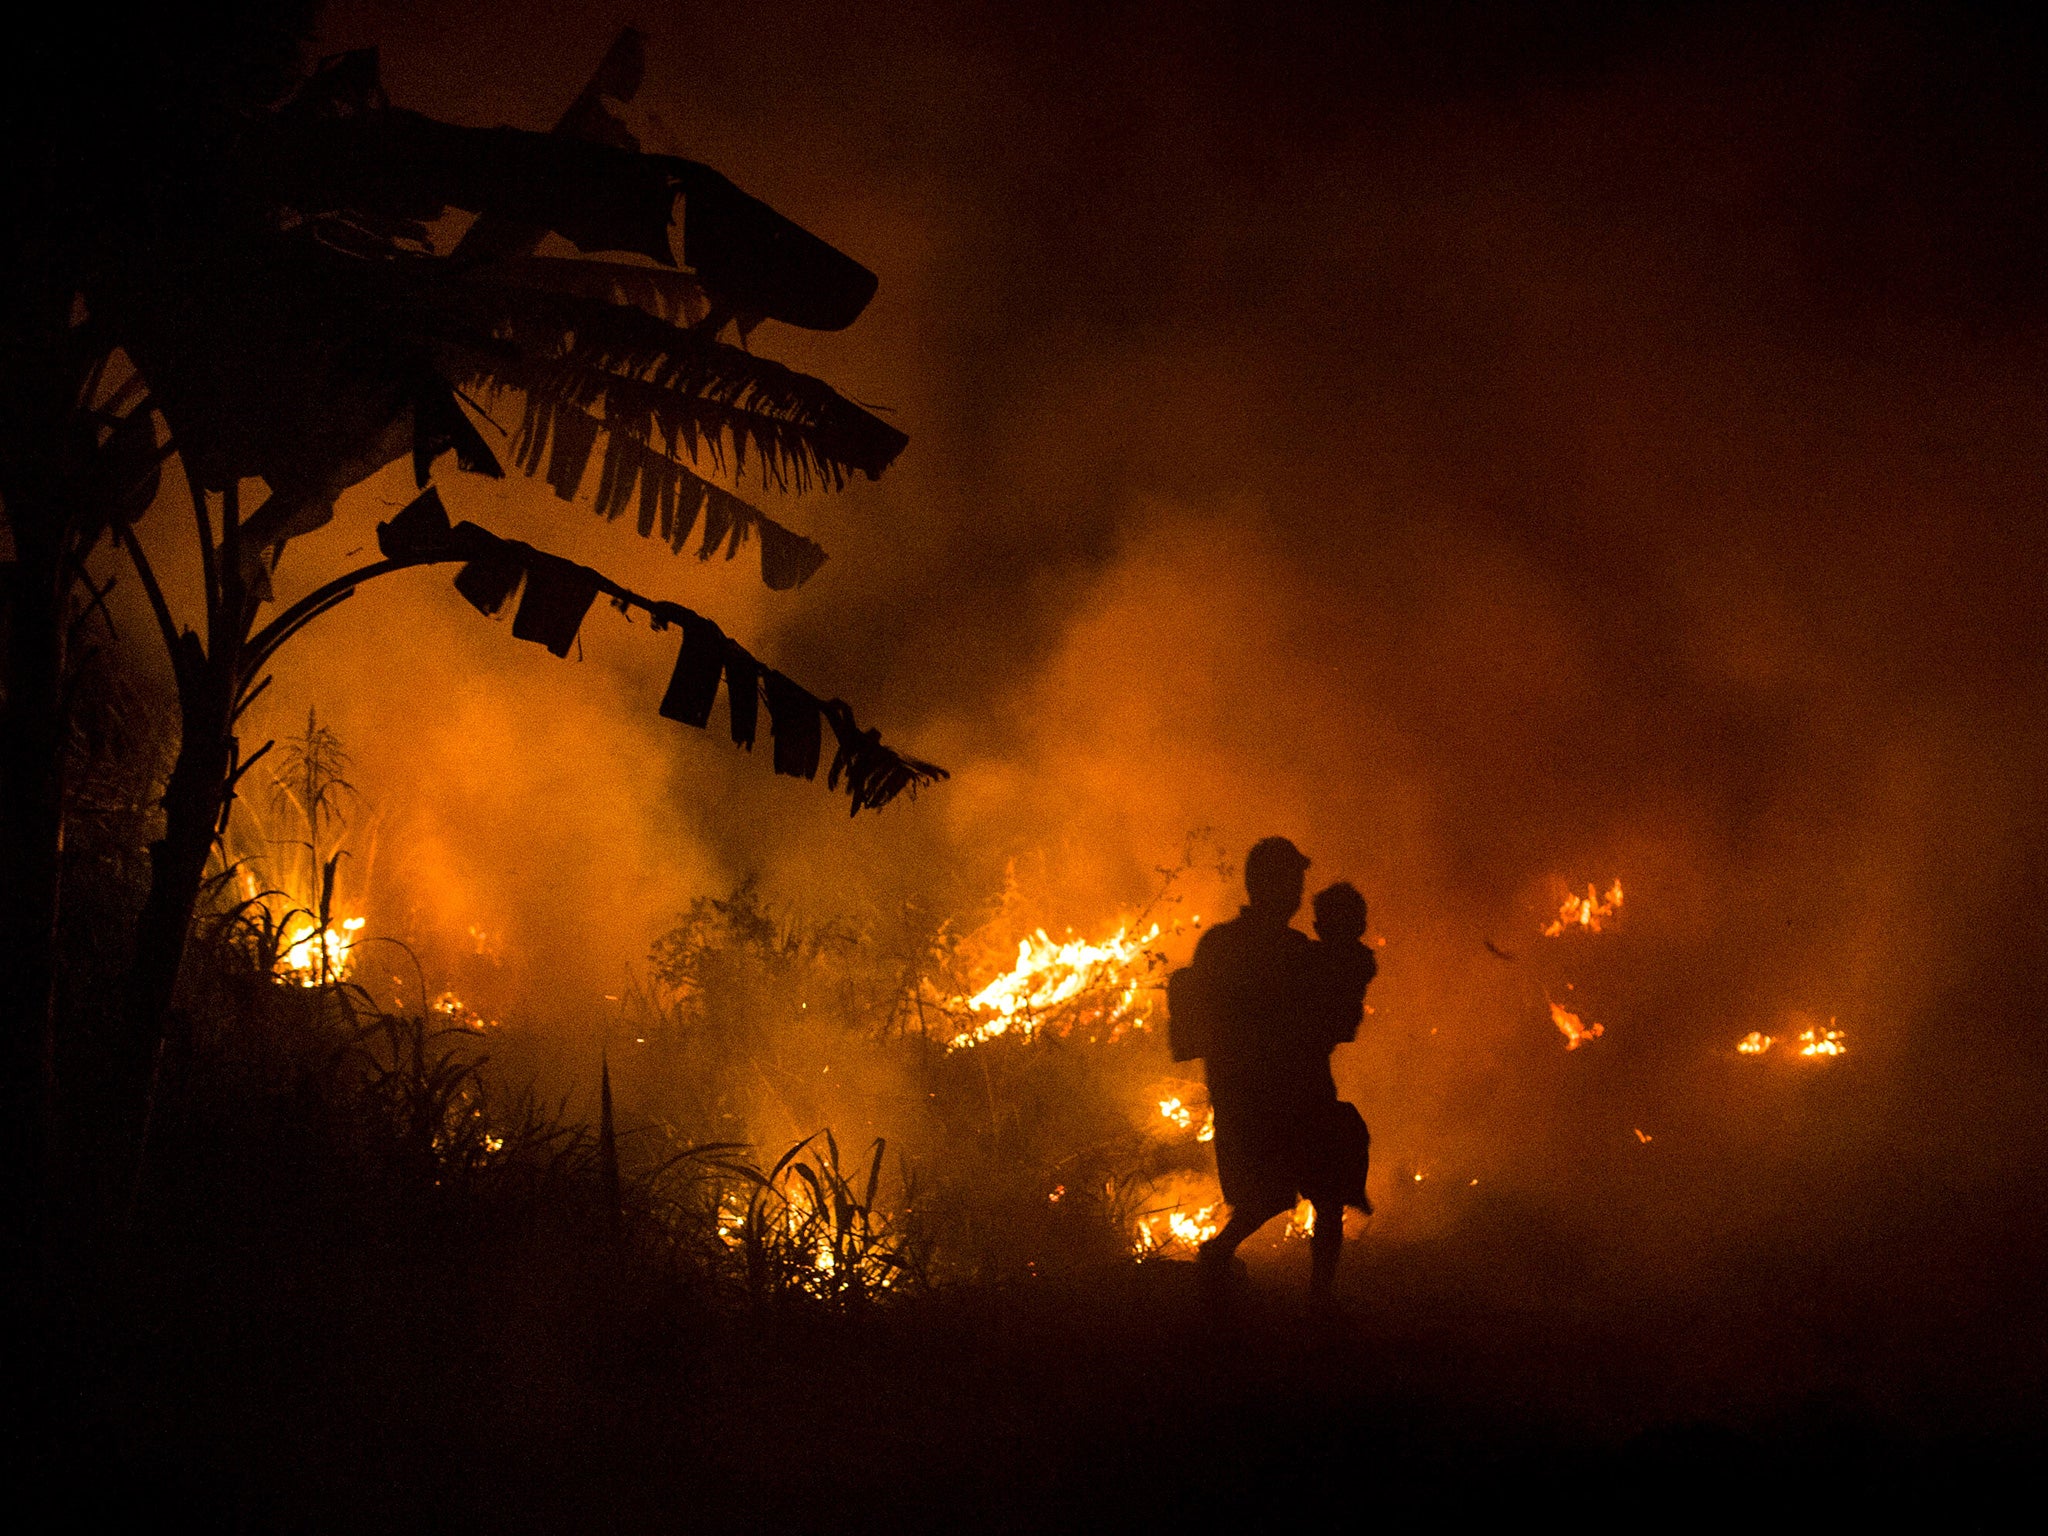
[(1500, 455)]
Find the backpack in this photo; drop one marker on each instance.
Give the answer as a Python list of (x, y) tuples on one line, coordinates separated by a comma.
[(1189, 1021)]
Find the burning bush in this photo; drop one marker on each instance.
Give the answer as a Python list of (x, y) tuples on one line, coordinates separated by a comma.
[(1019, 1075)]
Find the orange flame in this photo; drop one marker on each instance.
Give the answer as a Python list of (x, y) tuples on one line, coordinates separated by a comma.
[(305, 947), (1822, 1042), (1302, 1221), (1755, 1043), (1585, 913), (1166, 1231), (1182, 1116), (1049, 973), (1575, 1030)]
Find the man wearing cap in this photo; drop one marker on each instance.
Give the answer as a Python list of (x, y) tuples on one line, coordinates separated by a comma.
[(1266, 1062)]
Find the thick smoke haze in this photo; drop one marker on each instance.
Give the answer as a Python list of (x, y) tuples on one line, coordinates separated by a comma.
[(1498, 454)]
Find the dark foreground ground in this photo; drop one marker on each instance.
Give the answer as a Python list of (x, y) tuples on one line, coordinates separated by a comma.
[(370, 1392)]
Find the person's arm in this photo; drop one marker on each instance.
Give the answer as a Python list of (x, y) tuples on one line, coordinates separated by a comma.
[(1348, 1000)]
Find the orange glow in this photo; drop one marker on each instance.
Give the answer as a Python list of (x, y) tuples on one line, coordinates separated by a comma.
[(1822, 1042), (1161, 1232), (306, 945), (1049, 974), (1643, 1136), (460, 1014), (1755, 1043), (1183, 1117), (1575, 1030), (1585, 913)]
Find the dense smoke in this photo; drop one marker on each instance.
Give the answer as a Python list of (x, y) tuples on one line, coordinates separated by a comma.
[(1500, 456)]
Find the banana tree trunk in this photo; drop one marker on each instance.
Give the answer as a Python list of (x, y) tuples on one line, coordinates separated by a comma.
[(192, 803), (32, 742), (210, 694)]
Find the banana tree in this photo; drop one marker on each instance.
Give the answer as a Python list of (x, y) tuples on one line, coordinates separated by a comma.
[(294, 322)]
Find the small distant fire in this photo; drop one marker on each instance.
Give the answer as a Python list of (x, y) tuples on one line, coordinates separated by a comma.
[(1302, 1221), (1822, 1042), (1106, 981), (1585, 914), (313, 956), (1162, 1232), (1814, 1044), (1576, 1031), (460, 1014), (1183, 1116), (307, 954)]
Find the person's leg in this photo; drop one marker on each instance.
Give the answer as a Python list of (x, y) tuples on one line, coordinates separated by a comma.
[(1244, 1221), (1325, 1245)]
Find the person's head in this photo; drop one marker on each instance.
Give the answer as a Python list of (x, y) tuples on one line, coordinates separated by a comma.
[(1273, 877), (1340, 914)]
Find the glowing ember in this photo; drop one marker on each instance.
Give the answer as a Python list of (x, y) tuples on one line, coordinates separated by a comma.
[(1643, 1136), (460, 1014), (1049, 974), (1575, 1030), (1755, 1043), (1585, 913), (1822, 1042)]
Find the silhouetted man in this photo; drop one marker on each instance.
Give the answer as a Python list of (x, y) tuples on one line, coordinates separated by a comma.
[(1258, 1011)]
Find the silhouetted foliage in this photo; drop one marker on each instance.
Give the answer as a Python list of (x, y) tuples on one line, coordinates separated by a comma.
[(232, 264)]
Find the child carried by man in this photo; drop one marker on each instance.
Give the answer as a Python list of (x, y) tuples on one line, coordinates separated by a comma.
[(1263, 1006)]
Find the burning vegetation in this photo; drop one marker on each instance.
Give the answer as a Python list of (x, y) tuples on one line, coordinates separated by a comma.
[(1576, 1031), (1585, 914), (1064, 986)]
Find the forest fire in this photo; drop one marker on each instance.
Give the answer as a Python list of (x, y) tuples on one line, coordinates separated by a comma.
[(1641, 479), (1585, 914), (1576, 1031), (1103, 983)]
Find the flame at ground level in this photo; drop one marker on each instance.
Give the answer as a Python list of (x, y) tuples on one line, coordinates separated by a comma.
[(313, 956), (1575, 1030), (1162, 1232), (1182, 1116), (1813, 1044), (1049, 975), (1585, 913), (1822, 1042)]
